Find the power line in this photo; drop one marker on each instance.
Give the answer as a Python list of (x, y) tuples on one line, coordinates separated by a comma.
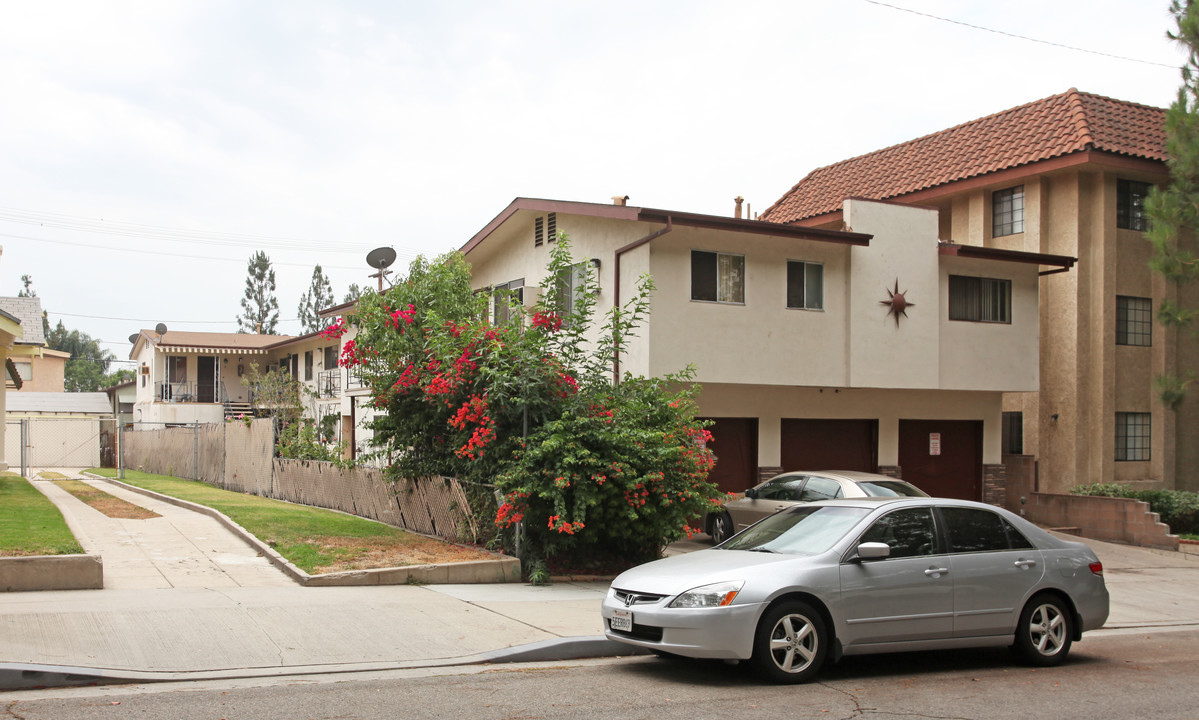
[(1021, 37), (145, 320), (161, 232), (178, 255)]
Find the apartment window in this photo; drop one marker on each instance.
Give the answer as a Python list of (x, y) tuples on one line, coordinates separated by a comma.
[(506, 296), (330, 357), (976, 299), (307, 364), (572, 285), (1013, 433), (805, 285), (1007, 211), (1134, 321), (717, 277), (1132, 436), (24, 370), (1130, 204)]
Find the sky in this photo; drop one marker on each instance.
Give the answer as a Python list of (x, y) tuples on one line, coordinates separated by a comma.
[(148, 149)]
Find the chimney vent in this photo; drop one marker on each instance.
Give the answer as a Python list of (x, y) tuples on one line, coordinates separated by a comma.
[(620, 199), (737, 206)]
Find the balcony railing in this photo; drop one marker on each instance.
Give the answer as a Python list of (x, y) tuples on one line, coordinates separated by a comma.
[(188, 392), (328, 384)]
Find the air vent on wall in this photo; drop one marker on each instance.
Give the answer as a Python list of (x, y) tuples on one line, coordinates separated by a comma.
[(552, 226), (538, 232)]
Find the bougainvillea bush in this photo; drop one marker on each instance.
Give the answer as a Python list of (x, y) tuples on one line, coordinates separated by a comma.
[(583, 468)]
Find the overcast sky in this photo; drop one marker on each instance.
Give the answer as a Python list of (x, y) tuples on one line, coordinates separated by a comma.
[(147, 149)]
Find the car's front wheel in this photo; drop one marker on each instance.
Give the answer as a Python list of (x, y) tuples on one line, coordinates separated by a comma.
[(721, 527), (1044, 633), (791, 643)]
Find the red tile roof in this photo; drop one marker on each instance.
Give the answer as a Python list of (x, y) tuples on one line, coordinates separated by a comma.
[(1055, 126)]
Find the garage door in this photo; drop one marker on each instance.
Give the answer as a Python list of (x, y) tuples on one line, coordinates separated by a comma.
[(943, 457), (813, 444), (735, 444)]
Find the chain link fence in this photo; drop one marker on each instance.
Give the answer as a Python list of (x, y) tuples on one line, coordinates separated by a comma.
[(59, 442)]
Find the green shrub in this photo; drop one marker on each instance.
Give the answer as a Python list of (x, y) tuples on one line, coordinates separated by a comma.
[(1178, 508)]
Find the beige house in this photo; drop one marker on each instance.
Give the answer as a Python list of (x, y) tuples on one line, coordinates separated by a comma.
[(1065, 175), (45, 372), (21, 339), (815, 348)]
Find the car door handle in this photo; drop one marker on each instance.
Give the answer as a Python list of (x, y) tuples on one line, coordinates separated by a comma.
[(936, 572), (1025, 564)]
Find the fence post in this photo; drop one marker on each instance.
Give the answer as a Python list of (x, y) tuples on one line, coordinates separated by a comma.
[(119, 438), (25, 447), (195, 451)]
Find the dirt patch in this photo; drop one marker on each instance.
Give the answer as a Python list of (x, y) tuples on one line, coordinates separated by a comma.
[(110, 505), (371, 553)]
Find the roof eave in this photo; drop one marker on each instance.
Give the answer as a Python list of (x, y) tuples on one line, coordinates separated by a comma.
[(984, 253)]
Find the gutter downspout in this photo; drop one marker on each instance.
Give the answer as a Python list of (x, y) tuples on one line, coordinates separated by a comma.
[(616, 284)]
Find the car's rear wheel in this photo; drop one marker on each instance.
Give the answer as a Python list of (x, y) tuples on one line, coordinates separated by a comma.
[(1044, 633), (791, 643), (722, 527)]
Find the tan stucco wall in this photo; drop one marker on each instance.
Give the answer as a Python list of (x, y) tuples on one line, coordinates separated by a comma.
[(1085, 377), (47, 372)]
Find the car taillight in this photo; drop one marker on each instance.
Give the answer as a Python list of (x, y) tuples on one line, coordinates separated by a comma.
[(1096, 567)]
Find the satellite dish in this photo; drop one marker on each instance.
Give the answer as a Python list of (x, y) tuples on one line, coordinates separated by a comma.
[(380, 258), (133, 338), (161, 328)]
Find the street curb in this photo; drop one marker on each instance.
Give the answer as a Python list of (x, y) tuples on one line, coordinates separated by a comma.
[(29, 676), (499, 570)]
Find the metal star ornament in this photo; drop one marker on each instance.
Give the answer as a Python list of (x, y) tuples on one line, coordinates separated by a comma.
[(898, 303)]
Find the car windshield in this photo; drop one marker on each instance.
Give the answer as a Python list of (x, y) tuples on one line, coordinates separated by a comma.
[(806, 530), (891, 488)]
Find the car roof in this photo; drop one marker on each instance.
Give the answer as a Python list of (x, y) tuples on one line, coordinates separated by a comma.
[(874, 502), (851, 475)]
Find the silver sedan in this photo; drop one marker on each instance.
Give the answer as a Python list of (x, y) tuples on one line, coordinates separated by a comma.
[(790, 488), (845, 577)]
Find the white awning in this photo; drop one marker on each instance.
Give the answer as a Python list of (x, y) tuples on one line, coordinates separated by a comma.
[(210, 351)]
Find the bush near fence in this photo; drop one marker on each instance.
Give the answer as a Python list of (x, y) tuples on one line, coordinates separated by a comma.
[(239, 456)]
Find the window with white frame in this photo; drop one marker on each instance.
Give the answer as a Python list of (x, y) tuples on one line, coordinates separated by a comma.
[(805, 285), (978, 299), (572, 285), (1134, 321), (504, 297), (717, 277), (1133, 436), (1007, 211)]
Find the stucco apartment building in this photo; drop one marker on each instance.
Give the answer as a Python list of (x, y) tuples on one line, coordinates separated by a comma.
[(807, 354), (1065, 175)]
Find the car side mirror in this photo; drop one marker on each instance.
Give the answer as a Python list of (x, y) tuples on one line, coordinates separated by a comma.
[(874, 551), (752, 493)]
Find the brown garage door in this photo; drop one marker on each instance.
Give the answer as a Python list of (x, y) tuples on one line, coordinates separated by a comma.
[(943, 457), (811, 444), (735, 443)]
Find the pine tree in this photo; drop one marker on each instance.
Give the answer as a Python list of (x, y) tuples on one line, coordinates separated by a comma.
[(353, 293), (260, 309), (318, 297), (28, 291), (1173, 210)]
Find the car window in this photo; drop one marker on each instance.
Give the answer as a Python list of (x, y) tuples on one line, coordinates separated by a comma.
[(783, 488), (891, 488), (1016, 539), (803, 530), (910, 532), (820, 488), (974, 530)]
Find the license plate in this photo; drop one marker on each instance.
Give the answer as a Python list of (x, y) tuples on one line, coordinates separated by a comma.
[(622, 620)]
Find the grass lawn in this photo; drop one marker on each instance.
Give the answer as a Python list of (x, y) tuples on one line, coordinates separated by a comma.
[(314, 539), (29, 523)]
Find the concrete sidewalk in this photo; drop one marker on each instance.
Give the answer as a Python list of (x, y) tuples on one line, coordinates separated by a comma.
[(205, 610)]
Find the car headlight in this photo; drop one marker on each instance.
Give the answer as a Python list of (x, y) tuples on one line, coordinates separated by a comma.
[(709, 596)]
